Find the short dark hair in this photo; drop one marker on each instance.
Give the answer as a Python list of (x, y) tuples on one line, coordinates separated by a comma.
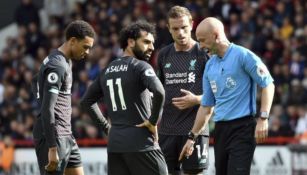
[(79, 29), (133, 31)]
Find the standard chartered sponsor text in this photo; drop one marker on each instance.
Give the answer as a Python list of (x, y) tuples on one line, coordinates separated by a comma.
[(176, 75), (179, 78), (176, 81)]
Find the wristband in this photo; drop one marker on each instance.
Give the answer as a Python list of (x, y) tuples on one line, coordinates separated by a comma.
[(264, 115), (191, 136)]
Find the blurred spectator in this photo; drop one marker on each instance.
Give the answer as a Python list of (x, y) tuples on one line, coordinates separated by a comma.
[(234, 27), (296, 66), (279, 125), (91, 131), (280, 13), (27, 12), (56, 10), (1, 93), (286, 29), (297, 94), (6, 155), (277, 129), (34, 39), (82, 85), (164, 37), (301, 45), (301, 127), (292, 116)]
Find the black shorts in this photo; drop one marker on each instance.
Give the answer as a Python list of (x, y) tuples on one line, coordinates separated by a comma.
[(68, 151), (234, 146), (172, 145), (135, 163)]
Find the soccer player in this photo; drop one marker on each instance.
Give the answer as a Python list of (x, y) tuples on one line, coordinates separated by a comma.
[(126, 85), (180, 69), (56, 149), (229, 88)]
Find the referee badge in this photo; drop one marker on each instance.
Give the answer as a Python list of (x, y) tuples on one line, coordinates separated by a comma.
[(262, 71), (230, 83), (52, 77), (213, 86)]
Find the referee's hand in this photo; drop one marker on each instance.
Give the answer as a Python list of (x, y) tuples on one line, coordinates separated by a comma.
[(261, 132), (187, 149), (152, 128), (53, 158)]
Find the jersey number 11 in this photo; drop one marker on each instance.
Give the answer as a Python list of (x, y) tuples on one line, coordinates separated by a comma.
[(118, 82)]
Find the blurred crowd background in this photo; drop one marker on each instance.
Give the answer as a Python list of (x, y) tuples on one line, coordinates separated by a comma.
[(276, 30)]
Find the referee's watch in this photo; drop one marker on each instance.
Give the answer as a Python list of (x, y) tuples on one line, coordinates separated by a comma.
[(264, 115), (192, 136)]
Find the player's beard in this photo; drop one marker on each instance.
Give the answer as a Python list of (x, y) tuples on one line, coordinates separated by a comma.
[(139, 54)]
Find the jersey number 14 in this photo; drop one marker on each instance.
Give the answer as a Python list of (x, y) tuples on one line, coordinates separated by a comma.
[(118, 82)]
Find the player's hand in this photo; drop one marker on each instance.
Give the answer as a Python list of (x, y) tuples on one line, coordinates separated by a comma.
[(152, 128), (187, 149), (53, 158), (261, 132), (188, 100)]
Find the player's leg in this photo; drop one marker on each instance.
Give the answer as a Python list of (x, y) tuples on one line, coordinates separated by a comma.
[(170, 146), (74, 163), (117, 164), (42, 149), (148, 162), (198, 162), (242, 147)]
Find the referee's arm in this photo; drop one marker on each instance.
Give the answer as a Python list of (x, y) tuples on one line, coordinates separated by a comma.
[(202, 118), (267, 94)]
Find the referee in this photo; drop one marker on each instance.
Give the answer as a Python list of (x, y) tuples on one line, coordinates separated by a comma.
[(230, 84)]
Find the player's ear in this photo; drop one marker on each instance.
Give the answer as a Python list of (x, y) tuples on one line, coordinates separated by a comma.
[(192, 23), (72, 41), (131, 42), (216, 38)]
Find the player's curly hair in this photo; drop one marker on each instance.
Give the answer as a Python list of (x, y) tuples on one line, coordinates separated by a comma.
[(79, 29), (133, 31)]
